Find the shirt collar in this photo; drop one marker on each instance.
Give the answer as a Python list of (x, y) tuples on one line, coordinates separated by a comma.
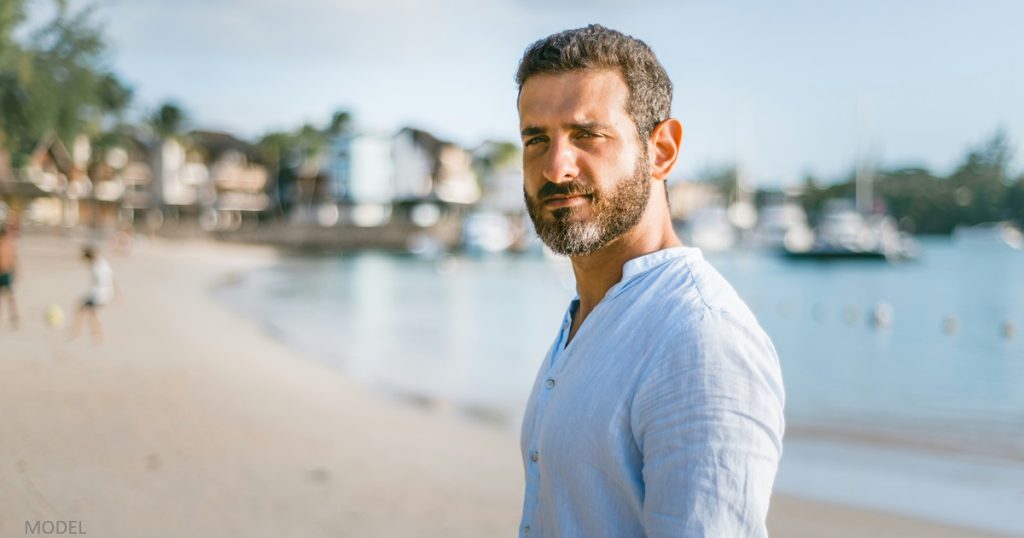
[(642, 264), (638, 266)]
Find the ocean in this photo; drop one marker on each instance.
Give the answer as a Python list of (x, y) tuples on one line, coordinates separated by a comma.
[(903, 378)]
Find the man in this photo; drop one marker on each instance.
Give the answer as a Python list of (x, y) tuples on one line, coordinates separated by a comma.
[(658, 410)]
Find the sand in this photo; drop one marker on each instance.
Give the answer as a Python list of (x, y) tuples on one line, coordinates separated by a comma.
[(189, 421)]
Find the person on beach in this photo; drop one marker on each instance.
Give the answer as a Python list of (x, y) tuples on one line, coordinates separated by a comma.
[(8, 268), (658, 410), (101, 292)]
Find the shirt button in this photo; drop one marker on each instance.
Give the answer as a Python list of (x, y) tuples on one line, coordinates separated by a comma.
[(550, 383), (526, 530), (534, 456)]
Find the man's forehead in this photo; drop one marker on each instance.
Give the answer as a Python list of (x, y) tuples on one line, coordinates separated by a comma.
[(576, 97)]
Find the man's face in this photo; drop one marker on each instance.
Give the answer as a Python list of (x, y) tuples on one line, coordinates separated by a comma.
[(586, 177)]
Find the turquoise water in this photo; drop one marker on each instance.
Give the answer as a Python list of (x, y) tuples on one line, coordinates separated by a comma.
[(468, 334), (472, 332), (913, 379)]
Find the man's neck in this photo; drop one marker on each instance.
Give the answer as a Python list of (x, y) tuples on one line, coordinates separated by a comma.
[(597, 272)]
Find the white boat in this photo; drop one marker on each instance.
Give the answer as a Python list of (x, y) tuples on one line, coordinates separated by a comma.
[(843, 232), (487, 233), (990, 233), (779, 225), (710, 229)]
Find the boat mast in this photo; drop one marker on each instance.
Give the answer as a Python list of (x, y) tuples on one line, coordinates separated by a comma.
[(865, 179), (865, 186)]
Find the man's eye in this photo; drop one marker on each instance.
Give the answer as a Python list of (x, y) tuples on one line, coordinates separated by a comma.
[(533, 141), (587, 134)]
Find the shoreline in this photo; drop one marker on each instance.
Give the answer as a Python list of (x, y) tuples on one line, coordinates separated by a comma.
[(191, 420), (934, 446)]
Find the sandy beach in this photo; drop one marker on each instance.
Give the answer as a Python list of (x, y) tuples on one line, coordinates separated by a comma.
[(189, 421)]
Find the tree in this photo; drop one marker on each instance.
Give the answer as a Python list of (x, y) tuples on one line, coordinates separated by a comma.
[(341, 123), (493, 155), (58, 81), (276, 150), (981, 181), (1015, 201), (13, 74), (168, 120), (725, 178), (12, 14), (921, 201), (113, 95)]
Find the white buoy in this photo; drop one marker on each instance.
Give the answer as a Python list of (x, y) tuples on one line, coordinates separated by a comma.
[(820, 312), (950, 325), (1009, 330), (851, 315), (881, 316)]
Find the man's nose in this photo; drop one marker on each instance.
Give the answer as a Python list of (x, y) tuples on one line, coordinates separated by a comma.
[(561, 163)]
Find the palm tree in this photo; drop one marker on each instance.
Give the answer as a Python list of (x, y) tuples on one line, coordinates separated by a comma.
[(168, 121)]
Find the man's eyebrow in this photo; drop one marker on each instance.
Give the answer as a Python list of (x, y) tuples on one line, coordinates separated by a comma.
[(532, 130), (588, 126), (584, 126)]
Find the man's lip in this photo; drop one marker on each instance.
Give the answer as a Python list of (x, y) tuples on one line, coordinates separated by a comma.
[(565, 200)]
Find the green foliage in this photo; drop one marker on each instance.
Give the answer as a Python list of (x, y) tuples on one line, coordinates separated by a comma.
[(814, 197), (341, 123), (980, 182), (168, 120), (725, 178), (1015, 201), (272, 148), (58, 80), (920, 200), (498, 154), (286, 152), (12, 13), (12, 70), (977, 191), (306, 143), (310, 141), (113, 95)]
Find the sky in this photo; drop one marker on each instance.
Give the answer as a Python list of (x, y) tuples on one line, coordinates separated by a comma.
[(782, 88)]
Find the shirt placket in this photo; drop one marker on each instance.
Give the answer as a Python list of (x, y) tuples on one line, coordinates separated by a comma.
[(533, 476)]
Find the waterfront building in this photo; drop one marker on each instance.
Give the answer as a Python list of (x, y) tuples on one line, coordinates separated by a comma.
[(181, 186), (434, 179), (362, 177), (239, 183)]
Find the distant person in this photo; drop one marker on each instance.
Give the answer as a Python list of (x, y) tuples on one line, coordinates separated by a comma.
[(8, 270), (101, 293), (658, 410)]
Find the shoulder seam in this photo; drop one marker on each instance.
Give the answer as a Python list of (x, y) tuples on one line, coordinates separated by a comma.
[(698, 285)]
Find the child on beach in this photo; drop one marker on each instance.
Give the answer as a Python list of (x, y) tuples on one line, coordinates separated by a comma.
[(8, 267), (101, 292)]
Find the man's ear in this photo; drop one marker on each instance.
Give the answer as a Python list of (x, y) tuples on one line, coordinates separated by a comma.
[(664, 143)]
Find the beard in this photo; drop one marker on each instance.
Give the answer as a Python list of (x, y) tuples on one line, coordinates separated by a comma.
[(613, 213)]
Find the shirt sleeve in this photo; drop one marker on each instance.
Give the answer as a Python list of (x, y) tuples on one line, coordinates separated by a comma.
[(708, 419)]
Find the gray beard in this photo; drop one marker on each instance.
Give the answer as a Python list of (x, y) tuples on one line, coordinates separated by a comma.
[(614, 213)]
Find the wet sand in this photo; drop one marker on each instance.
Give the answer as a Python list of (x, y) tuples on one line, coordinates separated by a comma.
[(188, 421)]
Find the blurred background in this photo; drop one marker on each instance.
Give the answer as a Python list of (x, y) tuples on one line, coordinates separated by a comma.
[(850, 169)]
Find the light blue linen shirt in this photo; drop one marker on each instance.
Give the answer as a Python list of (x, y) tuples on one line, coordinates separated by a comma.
[(662, 416)]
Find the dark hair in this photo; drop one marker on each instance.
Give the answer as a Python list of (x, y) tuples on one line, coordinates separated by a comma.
[(597, 47)]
